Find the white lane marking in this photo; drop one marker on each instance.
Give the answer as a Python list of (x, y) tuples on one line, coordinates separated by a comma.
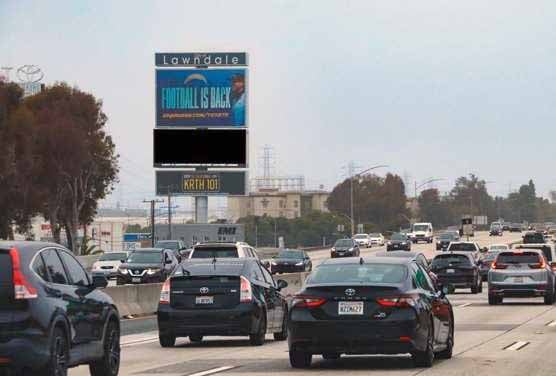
[(464, 305), (138, 339), (517, 346), (212, 371), (552, 323)]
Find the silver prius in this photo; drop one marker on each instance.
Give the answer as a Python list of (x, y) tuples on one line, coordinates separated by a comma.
[(520, 273)]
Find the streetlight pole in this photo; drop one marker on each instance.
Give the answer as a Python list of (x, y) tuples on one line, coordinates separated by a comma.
[(428, 181), (352, 175)]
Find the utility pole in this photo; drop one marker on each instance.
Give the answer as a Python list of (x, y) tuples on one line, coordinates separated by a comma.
[(169, 214), (153, 203), (351, 169)]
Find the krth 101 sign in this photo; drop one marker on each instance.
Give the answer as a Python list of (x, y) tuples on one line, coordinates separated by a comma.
[(201, 183)]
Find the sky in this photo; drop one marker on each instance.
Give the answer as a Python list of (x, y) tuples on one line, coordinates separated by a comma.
[(433, 89)]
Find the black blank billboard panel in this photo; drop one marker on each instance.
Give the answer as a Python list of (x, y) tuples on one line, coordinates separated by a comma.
[(200, 147)]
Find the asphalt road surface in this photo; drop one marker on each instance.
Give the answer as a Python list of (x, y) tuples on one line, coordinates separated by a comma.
[(516, 338)]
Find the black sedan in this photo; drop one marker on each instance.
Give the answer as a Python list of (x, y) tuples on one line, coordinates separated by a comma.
[(147, 265), (399, 242), (443, 240), (458, 270), (53, 315), (291, 261), (222, 297), (376, 305), (345, 248)]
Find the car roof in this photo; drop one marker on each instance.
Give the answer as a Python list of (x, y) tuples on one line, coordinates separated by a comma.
[(217, 244), (149, 249), (366, 260), (218, 266), (466, 254), (400, 254)]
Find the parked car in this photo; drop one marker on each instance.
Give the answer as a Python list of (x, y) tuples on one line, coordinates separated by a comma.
[(223, 250), (520, 273), (108, 264), (374, 305), (458, 270), (223, 297), (362, 240), (147, 265), (399, 242), (443, 240), (291, 261), (345, 248), (376, 239), (175, 246), (52, 314)]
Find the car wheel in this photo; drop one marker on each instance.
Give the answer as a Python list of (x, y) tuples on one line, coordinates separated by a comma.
[(549, 299), (475, 289), (257, 339), (493, 299), (447, 353), (196, 338), (331, 356), (166, 340), (109, 365), (58, 359), (425, 358), (480, 287), (299, 359), (283, 335)]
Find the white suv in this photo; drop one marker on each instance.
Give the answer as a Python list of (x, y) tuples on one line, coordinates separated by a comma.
[(362, 240), (377, 239), (223, 250)]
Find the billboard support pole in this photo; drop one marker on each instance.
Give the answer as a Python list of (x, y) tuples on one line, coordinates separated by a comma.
[(201, 204)]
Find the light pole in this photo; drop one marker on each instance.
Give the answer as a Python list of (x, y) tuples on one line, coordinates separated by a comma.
[(428, 181), (352, 175)]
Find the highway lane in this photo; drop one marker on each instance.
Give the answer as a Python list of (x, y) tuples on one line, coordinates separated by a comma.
[(482, 333)]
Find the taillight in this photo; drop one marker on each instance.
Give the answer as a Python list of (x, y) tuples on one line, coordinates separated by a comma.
[(165, 293), (245, 291), (498, 266), (22, 288), (539, 265), (301, 301), (403, 301)]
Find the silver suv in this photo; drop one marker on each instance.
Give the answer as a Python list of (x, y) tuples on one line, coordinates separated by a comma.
[(520, 273), (223, 250)]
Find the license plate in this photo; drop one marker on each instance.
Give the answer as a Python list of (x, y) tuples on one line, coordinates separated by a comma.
[(135, 280), (518, 279), (450, 271), (350, 308), (204, 300)]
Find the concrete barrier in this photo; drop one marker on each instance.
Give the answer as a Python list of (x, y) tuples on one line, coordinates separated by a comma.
[(135, 299)]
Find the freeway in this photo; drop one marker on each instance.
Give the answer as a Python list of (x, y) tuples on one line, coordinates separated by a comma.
[(513, 339)]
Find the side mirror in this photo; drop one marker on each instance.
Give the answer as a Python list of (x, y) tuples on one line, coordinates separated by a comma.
[(553, 266), (484, 249), (266, 264), (99, 281), (281, 284), (168, 261)]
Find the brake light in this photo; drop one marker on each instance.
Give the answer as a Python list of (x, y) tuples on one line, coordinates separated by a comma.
[(301, 301), (496, 265), (165, 292), (403, 301), (540, 265), (22, 288), (245, 291)]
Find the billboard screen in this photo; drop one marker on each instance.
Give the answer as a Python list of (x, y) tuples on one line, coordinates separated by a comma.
[(201, 97), (192, 183), (193, 147)]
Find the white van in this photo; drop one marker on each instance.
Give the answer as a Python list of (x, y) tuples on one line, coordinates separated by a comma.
[(422, 232)]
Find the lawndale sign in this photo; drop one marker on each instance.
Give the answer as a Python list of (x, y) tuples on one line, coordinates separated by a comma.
[(198, 59)]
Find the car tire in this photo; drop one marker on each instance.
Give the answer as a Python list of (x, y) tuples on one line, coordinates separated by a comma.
[(283, 335), (109, 364), (196, 338), (475, 289), (59, 355), (447, 353), (299, 359), (257, 339), (480, 287), (331, 356), (425, 358), (549, 299), (494, 300), (166, 340)]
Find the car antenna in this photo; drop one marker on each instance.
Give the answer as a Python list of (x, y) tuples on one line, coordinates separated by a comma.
[(361, 261), (214, 262)]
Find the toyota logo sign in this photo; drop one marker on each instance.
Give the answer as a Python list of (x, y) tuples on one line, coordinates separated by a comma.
[(204, 290), (350, 292), (29, 74)]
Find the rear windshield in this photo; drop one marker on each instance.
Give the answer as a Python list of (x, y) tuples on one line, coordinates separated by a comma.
[(465, 247), (518, 258), (491, 255), (533, 238), (442, 261), (360, 237), (291, 255), (398, 237), (167, 245), (215, 252), (343, 243), (547, 251), (498, 247), (421, 228), (6, 288), (375, 235), (446, 236), (355, 273), (113, 257), (145, 257)]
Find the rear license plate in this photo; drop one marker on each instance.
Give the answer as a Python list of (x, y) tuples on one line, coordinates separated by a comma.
[(450, 271), (350, 308), (518, 279), (135, 280), (204, 300)]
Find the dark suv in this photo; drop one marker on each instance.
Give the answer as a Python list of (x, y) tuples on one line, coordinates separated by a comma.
[(147, 265), (222, 297), (52, 315)]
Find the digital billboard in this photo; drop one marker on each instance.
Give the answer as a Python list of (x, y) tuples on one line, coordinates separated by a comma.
[(193, 183), (198, 147), (201, 98)]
